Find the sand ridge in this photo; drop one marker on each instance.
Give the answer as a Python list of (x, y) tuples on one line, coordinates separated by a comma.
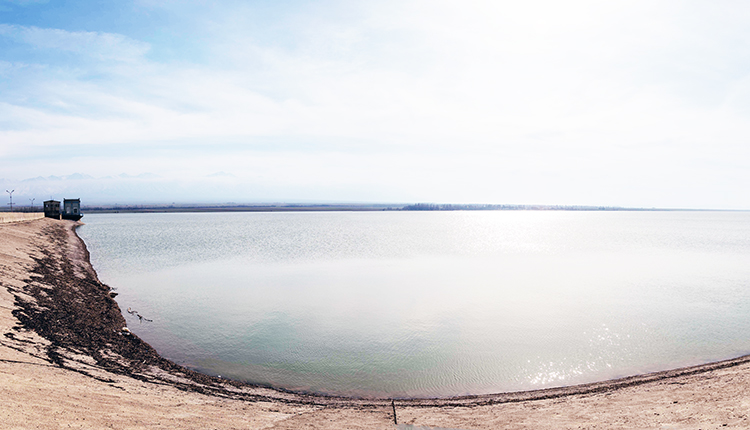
[(65, 361)]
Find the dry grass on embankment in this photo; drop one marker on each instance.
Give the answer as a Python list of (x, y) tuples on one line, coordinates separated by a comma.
[(19, 216)]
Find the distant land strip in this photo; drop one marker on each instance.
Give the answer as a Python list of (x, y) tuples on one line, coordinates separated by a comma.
[(344, 207), (288, 207)]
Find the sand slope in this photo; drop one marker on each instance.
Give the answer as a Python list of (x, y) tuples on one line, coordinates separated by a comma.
[(65, 363)]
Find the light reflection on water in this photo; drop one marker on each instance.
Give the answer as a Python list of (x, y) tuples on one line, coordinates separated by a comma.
[(431, 304)]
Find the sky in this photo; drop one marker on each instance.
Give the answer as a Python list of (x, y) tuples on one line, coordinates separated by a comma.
[(618, 103)]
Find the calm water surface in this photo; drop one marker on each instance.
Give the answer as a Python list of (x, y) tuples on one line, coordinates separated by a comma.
[(425, 304)]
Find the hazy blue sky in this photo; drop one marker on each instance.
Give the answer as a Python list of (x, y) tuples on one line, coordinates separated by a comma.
[(630, 103)]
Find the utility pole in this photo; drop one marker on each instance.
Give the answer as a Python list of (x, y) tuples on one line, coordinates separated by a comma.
[(11, 199), (32, 204)]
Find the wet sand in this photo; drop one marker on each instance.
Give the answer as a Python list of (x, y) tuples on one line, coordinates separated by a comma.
[(65, 361)]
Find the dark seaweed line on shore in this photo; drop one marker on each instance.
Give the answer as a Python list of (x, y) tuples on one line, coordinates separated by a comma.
[(77, 315)]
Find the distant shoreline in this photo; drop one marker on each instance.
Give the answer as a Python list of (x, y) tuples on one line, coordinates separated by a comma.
[(283, 207), (355, 207)]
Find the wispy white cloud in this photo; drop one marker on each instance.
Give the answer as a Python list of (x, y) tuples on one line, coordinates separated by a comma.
[(100, 46), (623, 103)]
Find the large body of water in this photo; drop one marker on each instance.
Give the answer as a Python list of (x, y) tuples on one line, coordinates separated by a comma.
[(423, 304)]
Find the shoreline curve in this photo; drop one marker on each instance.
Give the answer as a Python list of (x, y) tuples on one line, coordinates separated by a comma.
[(62, 316)]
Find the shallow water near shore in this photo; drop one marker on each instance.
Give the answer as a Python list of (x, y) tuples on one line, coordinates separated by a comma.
[(425, 304)]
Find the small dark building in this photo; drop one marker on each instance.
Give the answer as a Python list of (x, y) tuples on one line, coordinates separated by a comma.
[(52, 209), (72, 209)]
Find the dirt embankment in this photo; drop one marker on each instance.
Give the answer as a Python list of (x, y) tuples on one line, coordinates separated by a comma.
[(66, 360), (19, 216)]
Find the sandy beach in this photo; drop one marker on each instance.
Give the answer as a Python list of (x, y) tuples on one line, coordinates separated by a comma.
[(67, 362)]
